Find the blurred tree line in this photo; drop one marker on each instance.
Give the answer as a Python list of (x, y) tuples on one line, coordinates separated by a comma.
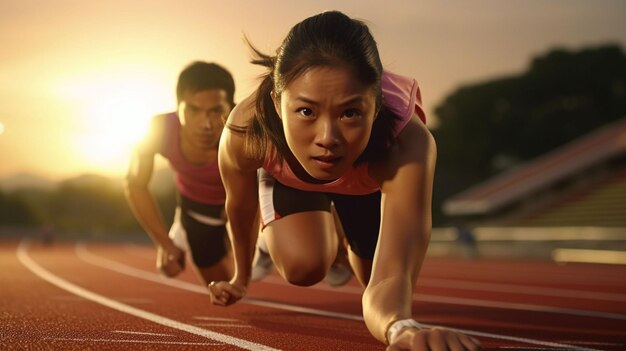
[(483, 129), (488, 127), (86, 205)]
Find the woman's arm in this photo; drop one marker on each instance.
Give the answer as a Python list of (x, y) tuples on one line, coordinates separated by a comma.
[(239, 175), (406, 178)]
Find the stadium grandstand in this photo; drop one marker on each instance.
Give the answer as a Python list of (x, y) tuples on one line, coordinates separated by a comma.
[(580, 184)]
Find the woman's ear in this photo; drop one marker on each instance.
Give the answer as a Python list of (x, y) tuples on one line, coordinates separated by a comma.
[(276, 100), (378, 107)]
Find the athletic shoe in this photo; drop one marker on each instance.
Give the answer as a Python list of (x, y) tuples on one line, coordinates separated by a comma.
[(338, 275), (262, 266)]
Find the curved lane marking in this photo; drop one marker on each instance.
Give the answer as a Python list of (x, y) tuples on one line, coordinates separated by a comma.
[(469, 302), (24, 258), (520, 289)]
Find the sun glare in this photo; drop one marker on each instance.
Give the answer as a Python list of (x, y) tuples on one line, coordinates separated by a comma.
[(1, 128), (115, 112)]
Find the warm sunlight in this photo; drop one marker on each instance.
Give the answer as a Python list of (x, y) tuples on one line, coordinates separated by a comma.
[(1, 128), (115, 109)]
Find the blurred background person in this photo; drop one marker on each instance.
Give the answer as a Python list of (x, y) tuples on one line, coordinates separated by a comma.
[(188, 138)]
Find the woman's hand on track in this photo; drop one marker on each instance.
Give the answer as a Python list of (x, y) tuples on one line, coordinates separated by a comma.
[(435, 339), (226, 293)]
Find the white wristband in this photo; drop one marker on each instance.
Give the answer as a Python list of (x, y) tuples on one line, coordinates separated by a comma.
[(398, 325)]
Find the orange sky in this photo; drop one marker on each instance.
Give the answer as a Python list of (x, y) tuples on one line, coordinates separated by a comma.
[(80, 79)]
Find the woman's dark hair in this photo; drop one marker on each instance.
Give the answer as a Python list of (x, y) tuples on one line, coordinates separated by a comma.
[(325, 39), (199, 76)]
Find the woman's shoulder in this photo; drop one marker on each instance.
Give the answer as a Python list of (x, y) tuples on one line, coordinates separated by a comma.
[(233, 148), (415, 144), (402, 95), (242, 113)]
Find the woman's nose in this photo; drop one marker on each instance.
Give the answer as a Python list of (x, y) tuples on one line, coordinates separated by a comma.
[(327, 134)]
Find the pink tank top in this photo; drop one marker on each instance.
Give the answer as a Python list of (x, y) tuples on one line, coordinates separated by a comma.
[(200, 183), (400, 94)]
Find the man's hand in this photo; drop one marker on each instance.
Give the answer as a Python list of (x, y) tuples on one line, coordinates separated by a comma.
[(435, 339), (171, 261), (226, 293)]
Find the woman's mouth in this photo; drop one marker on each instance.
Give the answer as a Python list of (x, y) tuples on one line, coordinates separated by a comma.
[(325, 162)]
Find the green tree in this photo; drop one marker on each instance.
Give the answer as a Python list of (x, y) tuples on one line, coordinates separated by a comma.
[(488, 127), (14, 211), (91, 204)]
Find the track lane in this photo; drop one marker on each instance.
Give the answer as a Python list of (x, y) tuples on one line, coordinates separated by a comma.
[(288, 293), (311, 332)]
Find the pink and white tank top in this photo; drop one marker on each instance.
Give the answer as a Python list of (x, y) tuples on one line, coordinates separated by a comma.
[(200, 183)]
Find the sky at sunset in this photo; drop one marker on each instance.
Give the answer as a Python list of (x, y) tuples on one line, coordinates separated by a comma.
[(80, 79)]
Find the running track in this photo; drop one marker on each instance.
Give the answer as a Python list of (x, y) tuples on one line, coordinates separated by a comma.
[(78, 296)]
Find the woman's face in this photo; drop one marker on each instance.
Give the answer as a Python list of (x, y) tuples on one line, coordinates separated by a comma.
[(327, 114)]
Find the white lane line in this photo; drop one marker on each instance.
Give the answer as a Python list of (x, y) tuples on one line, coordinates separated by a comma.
[(85, 255), (596, 343), (526, 348), (139, 333), (138, 341), (560, 346), (216, 319), (300, 309), (67, 298), (467, 302), (134, 300), (223, 325), (93, 259), (133, 249), (519, 289), (516, 306), (24, 258), (229, 322)]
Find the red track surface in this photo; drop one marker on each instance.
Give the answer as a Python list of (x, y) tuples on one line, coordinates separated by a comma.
[(108, 297)]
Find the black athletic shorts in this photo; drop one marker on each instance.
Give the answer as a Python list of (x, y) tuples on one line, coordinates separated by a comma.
[(205, 229), (359, 214)]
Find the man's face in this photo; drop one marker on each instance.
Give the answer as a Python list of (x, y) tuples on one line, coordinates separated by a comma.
[(202, 115)]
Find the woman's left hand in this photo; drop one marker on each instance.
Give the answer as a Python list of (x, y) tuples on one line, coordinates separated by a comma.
[(226, 293), (435, 339)]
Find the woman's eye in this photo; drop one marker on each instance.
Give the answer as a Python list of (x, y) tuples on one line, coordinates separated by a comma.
[(351, 114), (306, 112)]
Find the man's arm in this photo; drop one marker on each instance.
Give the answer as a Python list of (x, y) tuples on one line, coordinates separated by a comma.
[(142, 202)]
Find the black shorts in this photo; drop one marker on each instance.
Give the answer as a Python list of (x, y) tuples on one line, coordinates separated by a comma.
[(359, 214), (205, 229)]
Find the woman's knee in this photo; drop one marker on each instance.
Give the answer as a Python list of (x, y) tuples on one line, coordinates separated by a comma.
[(303, 270), (303, 275)]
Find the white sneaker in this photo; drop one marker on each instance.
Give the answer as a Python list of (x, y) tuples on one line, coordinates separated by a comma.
[(262, 266), (338, 275)]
